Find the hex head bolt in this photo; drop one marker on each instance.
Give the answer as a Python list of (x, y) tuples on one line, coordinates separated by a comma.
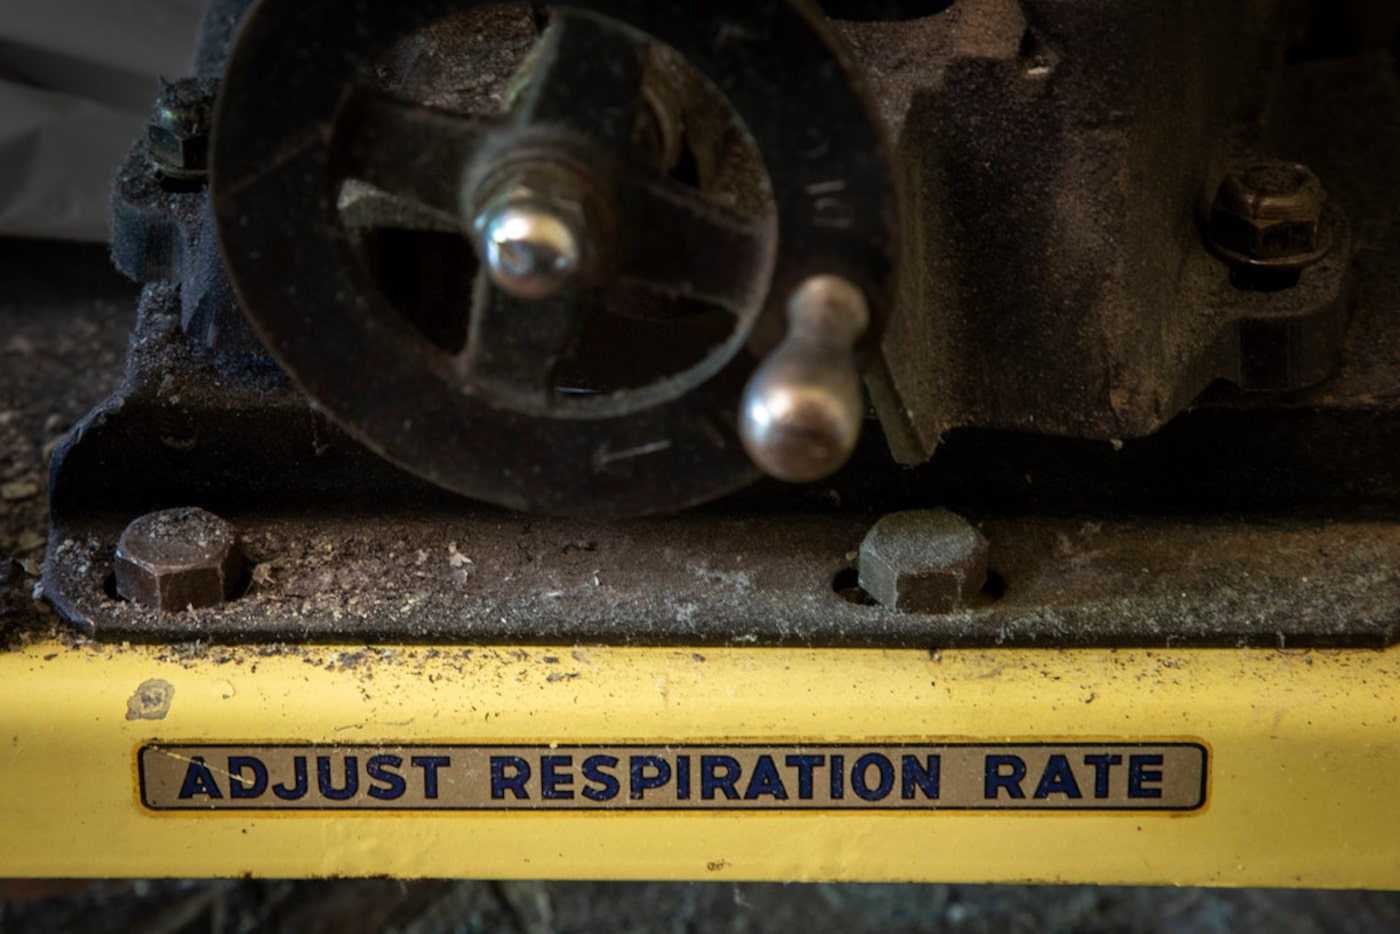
[(1268, 220), (923, 561), (177, 133), (177, 559)]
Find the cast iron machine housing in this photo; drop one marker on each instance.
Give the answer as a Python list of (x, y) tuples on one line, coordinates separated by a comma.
[(616, 259)]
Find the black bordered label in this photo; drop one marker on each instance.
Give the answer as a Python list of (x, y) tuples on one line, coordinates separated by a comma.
[(1068, 776)]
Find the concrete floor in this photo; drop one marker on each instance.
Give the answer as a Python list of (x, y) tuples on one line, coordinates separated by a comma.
[(224, 907)]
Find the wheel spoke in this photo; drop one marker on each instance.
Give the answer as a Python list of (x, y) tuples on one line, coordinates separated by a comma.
[(678, 242), (587, 78), (415, 154), (515, 344)]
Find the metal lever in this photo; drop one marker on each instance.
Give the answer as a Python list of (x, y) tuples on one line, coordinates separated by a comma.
[(802, 409)]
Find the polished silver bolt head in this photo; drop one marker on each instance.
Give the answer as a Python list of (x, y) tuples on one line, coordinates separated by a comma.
[(531, 249), (178, 559)]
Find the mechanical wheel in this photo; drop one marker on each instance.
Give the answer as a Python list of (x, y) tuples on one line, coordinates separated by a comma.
[(610, 257)]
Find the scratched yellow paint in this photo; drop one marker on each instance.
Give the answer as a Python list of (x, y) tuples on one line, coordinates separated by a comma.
[(1305, 751)]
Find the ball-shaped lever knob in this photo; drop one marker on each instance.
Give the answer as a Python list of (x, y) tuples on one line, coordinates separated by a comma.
[(532, 248), (801, 412)]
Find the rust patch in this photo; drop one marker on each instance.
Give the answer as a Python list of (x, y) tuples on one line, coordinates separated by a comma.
[(151, 700)]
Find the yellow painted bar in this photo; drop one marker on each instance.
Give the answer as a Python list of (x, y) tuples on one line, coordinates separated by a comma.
[(1304, 760)]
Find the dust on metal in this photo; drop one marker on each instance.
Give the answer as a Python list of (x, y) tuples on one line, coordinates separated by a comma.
[(177, 135), (923, 561), (176, 559)]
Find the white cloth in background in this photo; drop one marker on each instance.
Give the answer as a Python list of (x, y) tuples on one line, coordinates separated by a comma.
[(77, 80)]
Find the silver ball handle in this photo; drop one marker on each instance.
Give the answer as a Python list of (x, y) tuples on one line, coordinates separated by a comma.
[(801, 412)]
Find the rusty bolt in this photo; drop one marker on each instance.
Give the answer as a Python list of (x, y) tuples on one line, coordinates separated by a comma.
[(923, 561), (1271, 215), (177, 135), (177, 559)]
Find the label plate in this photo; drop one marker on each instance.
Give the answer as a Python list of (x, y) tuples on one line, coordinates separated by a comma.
[(1027, 776)]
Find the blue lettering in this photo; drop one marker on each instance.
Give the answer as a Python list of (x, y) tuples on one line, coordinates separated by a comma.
[(923, 776), (199, 781), (352, 778), (804, 766), (711, 780), (1057, 779), (838, 777), (1138, 774), (1102, 766), (641, 781), (683, 778), (430, 765), (551, 779), (385, 769), (298, 790), (996, 779), (240, 787), (608, 784), (861, 771), (765, 780), (514, 783)]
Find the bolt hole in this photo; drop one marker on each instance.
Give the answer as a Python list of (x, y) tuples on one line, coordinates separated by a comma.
[(109, 587), (846, 583), (995, 587), (245, 582)]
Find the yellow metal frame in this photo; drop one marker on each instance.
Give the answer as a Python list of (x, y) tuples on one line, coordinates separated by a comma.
[(1305, 754)]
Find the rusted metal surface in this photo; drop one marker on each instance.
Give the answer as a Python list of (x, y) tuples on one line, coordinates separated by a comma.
[(344, 546), (1061, 159), (1054, 222), (764, 580)]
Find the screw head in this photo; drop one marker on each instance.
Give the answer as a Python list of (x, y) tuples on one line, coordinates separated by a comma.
[(1271, 214), (177, 134), (178, 558), (532, 249)]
